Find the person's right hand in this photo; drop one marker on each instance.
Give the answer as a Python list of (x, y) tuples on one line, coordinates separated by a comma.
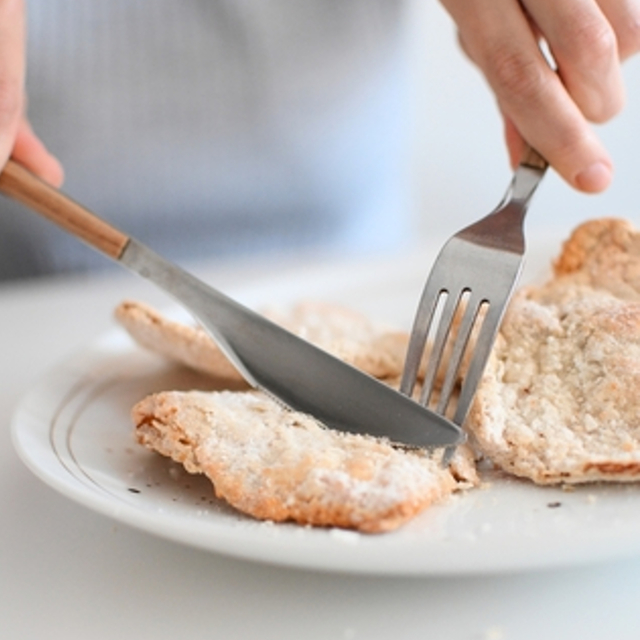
[(553, 110), (17, 139)]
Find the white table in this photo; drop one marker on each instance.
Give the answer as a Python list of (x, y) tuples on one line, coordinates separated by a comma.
[(67, 572)]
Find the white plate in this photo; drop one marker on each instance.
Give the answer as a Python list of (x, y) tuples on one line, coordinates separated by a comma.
[(73, 430)]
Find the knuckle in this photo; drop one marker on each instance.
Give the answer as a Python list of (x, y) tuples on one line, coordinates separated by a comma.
[(629, 36), (591, 54), (517, 75), (605, 110), (568, 144), (567, 149), (601, 105), (596, 43)]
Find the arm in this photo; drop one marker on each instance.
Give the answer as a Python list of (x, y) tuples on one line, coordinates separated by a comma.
[(552, 110), (16, 137)]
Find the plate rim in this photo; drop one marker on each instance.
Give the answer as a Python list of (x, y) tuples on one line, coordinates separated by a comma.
[(115, 343)]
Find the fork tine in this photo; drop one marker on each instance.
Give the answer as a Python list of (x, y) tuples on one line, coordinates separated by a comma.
[(481, 351), (443, 332), (478, 266), (473, 306)]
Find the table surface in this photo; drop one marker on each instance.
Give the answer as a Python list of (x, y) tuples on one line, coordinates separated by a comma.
[(67, 572)]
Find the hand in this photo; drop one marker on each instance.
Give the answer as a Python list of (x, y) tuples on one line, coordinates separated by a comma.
[(550, 109), (16, 137)]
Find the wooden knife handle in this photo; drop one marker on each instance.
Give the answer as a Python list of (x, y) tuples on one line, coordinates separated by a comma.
[(25, 187)]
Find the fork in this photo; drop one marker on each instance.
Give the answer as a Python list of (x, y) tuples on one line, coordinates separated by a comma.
[(472, 280)]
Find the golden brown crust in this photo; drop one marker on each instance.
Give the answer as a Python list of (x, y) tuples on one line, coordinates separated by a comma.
[(279, 465)]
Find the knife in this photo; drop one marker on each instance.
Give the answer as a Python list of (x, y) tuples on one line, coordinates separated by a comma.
[(289, 369)]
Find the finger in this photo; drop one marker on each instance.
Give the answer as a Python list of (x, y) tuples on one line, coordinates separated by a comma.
[(514, 141), (30, 152), (624, 17), (585, 48), (593, 179), (498, 37), (565, 139), (12, 72)]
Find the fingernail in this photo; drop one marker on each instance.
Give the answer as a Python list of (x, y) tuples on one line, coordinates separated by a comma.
[(595, 177)]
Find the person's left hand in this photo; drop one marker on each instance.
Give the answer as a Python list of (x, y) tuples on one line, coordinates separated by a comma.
[(16, 137)]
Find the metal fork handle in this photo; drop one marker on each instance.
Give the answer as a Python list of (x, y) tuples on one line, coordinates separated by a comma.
[(492, 230), (526, 177), (531, 158)]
